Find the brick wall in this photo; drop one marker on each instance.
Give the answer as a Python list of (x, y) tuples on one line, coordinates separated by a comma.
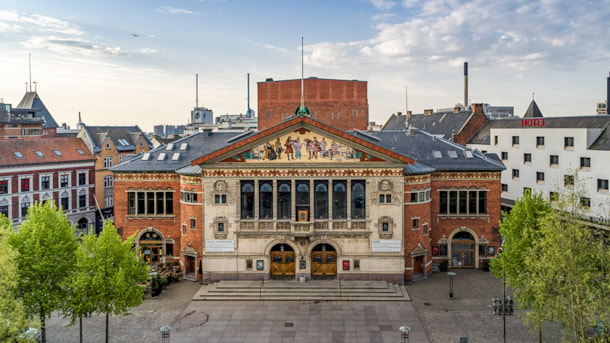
[(339, 103)]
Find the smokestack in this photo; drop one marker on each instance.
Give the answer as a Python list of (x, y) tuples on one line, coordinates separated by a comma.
[(466, 84), (196, 90)]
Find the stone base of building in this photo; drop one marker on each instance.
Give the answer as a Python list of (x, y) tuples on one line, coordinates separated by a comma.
[(394, 278)]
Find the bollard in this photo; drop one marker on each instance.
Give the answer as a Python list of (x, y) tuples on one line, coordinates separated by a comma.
[(404, 334)]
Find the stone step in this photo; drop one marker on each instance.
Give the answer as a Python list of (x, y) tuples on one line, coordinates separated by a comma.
[(290, 290)]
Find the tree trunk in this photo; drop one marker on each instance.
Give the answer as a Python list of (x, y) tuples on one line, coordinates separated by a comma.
[(43, 329), (107, 317), (80, 328)]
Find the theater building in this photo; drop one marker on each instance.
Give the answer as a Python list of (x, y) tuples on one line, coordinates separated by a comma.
[(305, 199)]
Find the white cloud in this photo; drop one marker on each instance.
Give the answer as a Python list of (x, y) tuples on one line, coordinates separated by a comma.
[(383, 5), (173, 10), (38, 22), (72, 45)]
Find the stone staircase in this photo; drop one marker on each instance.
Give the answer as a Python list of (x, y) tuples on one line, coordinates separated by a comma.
[(293, 290)]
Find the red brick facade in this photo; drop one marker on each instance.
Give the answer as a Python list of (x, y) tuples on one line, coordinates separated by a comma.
[(339, 103)]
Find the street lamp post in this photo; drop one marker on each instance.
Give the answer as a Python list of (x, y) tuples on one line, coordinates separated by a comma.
[(504, 306), (451, 275), (404, 334)]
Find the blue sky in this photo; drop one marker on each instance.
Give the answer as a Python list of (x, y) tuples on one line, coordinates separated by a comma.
[(85, 58)]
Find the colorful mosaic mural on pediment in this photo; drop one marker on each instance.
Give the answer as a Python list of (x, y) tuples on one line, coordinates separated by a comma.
[(303, 146)]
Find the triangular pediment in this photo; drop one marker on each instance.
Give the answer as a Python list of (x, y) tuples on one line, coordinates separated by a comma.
[(303, 140)]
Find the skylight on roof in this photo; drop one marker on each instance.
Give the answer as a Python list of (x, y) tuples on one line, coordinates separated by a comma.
[(468, 153), (38, 153), (437, 154), (170, 146), (184, 146), (176, 156), (452, 154), (146, 156), (57, 152), (18, 154), (80, 151), (161, 156)]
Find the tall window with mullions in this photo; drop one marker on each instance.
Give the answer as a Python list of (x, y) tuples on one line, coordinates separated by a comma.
[(302, 200), (358, 200), (321, 200), (265, 200), (247, 200), (339, 200), (283, 200)]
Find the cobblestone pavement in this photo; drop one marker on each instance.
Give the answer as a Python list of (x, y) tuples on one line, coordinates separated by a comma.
[(432, 316)]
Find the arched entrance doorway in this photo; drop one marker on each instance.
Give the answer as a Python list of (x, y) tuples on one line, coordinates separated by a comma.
[(282, 260), (151, 248), (82, 226), (323, 261), (462, 250)]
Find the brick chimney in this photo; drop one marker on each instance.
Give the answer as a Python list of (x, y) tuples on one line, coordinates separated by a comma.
[(457, 109), (477, 108), (398, 114), (409, 113), (429, 111)]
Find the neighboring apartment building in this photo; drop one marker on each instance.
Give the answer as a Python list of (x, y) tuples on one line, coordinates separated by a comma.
[(339, 103), (542, 154), (110, 145), (457, 125), (30, 119), (37, 170), (303, 198)]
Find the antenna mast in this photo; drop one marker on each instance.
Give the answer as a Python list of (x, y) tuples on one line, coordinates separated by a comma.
[(406, 100), (302, 82), (196, 90), (248, 114), (30, 68)]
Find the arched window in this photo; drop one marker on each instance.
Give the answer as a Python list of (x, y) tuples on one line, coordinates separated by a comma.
[(321, 200), (339, 200), (265, 200), (247, 199), (283, 200), (358, 200)]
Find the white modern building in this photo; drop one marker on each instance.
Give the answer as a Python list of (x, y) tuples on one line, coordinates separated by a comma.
[(542, 155)]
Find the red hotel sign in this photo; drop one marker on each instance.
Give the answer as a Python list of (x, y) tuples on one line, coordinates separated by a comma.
[(533, 122)]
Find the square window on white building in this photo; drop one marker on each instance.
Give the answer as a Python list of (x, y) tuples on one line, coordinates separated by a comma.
[(540, 142), (568, 143), (585, 163), (602, 185)]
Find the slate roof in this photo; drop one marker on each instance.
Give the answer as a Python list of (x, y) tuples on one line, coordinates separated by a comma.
[(27, 148), (442, 124), (31, 103), (432, 153), (533, 111), (414, 144), (600, 125), (124, 138), (197, 145)]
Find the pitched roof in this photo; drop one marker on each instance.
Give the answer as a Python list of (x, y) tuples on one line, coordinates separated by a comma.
[(31, 103), (599, 128), (124, 138), (442, 124), (37, 151), (432, 153), (420, 152), (533, 111)]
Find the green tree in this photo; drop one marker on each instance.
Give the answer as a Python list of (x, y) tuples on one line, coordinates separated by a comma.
[(556, 265), (12, 313), (46, 248), (110, 275)]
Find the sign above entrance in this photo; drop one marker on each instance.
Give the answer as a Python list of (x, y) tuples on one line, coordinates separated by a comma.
[(386, 245), (219, 245)]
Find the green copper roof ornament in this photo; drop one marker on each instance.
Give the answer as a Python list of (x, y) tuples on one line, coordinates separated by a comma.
[(302, 110)]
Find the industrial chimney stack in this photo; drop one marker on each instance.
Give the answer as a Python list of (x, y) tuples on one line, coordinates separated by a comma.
[(607, 92)]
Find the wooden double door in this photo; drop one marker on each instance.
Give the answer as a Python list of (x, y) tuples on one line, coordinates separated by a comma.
[(324, 261), (282, 260)]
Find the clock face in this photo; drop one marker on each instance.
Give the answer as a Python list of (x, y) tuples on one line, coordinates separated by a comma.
[(197, 115)]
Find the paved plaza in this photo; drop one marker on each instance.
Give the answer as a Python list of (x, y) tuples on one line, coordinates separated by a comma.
[(431, 315)]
